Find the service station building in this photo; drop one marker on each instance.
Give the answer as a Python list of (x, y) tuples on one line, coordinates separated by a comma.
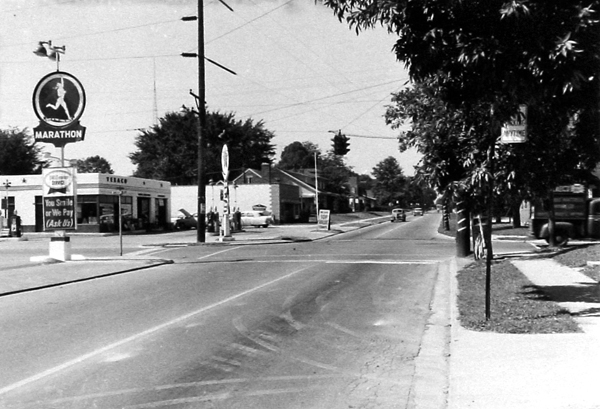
[(145, 203)]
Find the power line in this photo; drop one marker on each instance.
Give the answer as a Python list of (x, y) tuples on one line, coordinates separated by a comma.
[(365, 112), (249, 22), (325, 97), (114, 30)]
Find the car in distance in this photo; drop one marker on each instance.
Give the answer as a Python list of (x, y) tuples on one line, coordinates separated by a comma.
[(255, 218), (398, 215), (186, 220), (417, 211)]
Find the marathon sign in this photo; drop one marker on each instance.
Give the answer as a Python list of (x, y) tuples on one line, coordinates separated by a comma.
[(59, 137), (58, 102)]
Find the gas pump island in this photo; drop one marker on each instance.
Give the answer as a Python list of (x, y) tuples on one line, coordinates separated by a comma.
[(59, 102)]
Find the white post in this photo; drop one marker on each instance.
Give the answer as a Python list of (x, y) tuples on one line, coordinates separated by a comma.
[(6, 185), (120, 192), (120, 226), (316, 187)]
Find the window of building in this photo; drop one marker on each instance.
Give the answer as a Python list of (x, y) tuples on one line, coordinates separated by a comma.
[(87, 209), (93, 209)]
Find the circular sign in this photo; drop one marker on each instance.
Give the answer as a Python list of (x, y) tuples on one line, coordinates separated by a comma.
[(59, 99), (225, 162)]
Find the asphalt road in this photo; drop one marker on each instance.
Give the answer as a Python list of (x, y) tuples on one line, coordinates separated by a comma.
[(335, 323)]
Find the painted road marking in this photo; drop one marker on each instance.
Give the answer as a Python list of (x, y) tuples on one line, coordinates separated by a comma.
[(328, 261)]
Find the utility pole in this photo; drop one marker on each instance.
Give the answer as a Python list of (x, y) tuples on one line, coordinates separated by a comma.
[(201, 104), (201, 228)]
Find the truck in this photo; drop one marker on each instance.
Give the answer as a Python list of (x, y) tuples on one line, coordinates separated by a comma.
[(576, 213)]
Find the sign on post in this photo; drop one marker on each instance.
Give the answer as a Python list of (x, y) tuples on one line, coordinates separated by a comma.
[(324, 219), (59, 102), (515, 131), (225, 163), (59, 199)]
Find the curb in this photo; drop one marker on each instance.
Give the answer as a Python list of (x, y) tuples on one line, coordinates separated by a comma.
[(456, 266), (158, 262), (431, 382)]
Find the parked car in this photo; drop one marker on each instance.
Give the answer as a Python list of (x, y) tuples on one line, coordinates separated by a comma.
[(256, 218), (417, 211), (398, 215), (186, 221)]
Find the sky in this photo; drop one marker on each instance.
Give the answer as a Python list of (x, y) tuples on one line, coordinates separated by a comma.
[(299, 70)]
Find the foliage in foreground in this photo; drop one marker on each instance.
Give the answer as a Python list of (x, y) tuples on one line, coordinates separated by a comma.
[(517, 306)]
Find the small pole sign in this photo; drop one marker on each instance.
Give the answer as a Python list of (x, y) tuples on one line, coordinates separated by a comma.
[(515, 131), (59, 199), (225, 163), (324, 219)]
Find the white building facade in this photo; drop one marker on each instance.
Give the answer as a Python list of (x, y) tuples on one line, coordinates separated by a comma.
[(145, 203)]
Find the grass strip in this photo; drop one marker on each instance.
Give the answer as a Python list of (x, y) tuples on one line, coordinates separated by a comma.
[(517, 306)]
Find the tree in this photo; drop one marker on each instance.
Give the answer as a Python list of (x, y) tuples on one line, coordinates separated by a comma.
[(489, 56), (94, 164), (499, 54), (484, 49), (335, 172), (455, 157), (298, 155), (365, 184), (19, 155), (331, 167), (418, 192), (168, 150), (390, 182)]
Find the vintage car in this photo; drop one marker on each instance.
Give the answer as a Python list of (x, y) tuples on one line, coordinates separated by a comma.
[(255, 218), (186, 221), (417, 211), (398, 215)]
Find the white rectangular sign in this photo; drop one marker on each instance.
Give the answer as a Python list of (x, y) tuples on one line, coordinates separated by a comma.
[(516, 130), (324, 219), (59, 198)]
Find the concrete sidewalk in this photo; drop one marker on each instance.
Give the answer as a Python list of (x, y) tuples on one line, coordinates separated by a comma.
[(494, 371)]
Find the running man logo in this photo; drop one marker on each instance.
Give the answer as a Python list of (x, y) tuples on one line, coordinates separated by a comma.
[(59, 99)]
